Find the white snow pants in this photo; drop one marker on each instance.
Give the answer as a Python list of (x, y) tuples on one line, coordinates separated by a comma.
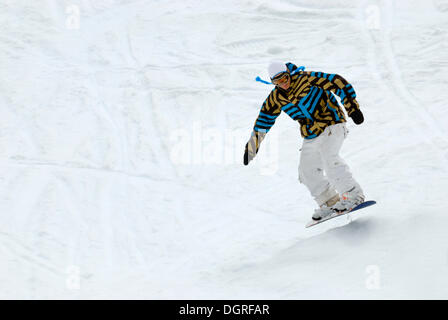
[(321, 169)]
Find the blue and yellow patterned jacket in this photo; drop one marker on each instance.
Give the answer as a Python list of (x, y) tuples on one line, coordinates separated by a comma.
[(309, 100)]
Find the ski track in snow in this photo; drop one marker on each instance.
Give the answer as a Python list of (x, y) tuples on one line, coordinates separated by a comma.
[(90, 194)]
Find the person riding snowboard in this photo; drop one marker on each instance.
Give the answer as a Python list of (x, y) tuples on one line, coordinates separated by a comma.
[(308, 97)]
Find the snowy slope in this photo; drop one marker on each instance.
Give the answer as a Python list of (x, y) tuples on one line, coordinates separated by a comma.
[(122, 134)]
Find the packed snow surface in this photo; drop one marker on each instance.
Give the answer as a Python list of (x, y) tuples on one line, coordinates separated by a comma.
[(122, 132)]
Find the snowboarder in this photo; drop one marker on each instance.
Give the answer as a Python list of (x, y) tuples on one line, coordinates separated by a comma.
[(308, 97)]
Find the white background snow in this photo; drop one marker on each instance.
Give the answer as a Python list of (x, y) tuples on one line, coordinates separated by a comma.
[(122, 131)]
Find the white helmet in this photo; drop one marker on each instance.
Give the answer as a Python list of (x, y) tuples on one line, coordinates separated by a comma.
[(275, 68)]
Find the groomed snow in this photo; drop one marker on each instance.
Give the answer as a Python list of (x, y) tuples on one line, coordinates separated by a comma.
[(122, 131)]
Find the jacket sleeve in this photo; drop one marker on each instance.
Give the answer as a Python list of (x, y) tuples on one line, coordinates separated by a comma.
[(338, 85), (266, 119)]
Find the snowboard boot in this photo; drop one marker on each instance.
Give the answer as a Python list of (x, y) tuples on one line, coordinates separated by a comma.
[(325, 209), (349, 200)]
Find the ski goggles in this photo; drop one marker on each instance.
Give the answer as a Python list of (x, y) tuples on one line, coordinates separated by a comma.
[(282, 78)]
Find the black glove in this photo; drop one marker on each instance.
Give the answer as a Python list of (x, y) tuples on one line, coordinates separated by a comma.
[(357, 116), (248, 155)]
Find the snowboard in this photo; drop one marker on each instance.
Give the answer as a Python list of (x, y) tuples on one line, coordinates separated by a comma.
[(338, 214)]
